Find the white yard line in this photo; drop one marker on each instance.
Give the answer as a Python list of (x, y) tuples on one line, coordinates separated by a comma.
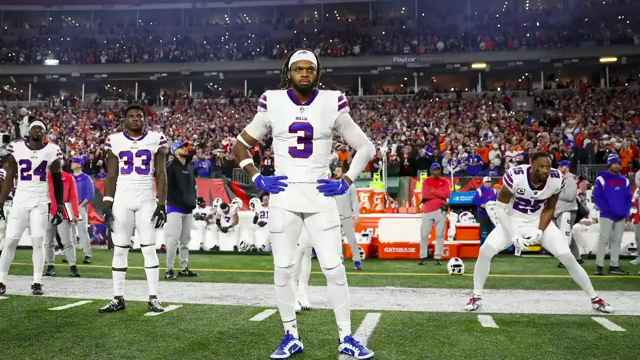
[(3, 298), (557, 302), (364, 332), (166, 310), (263, 315), (487, 321), (68, 306), (608, 324)]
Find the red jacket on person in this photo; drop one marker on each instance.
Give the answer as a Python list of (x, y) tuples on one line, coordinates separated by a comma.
[(436, 192), (70, 194)]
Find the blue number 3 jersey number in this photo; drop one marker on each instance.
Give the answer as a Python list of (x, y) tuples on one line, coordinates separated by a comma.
[(27, 171), (528, 206), (129, 167), (306, 140)]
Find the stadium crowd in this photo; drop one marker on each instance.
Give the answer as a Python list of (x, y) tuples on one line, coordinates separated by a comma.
[(473, 136), (110, 43)]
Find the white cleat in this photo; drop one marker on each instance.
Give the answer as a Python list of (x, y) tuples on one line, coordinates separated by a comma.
[(602, 306), (474, 303), (635, 261)]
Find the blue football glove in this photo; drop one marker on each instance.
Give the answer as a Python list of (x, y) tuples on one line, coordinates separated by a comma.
[(332, 187), (271, 184)]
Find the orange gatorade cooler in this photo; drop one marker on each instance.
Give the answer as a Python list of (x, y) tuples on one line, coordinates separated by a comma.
[(365, 197), (378, 201)]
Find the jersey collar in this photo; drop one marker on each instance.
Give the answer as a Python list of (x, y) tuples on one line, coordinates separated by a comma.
[(538, 188), (294, 98), (133, 139)]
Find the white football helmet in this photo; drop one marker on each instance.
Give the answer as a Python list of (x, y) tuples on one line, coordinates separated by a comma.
[(362, 253), (244, 246), (466, 217), (365, 236), (455, 266), (254, 204), (237, 202), (216, 202)]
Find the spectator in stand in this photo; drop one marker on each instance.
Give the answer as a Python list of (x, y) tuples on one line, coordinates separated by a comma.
[(435, 196), (481, 197), (612, 195), (202, 168)]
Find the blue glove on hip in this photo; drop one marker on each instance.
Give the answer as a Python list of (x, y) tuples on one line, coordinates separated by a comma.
[(271, 184), (332, 187)]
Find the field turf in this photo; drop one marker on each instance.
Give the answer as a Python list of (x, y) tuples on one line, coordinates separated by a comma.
[(209, 329)]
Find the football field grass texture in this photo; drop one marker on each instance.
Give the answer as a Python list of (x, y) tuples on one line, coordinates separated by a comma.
[(532, 310), (507, 272)]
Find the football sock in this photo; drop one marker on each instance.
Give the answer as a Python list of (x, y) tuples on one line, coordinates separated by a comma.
[(339, 294), (286, 298), (152, 267), (37, 258), (482, 268), (118, 283), (578, 274)]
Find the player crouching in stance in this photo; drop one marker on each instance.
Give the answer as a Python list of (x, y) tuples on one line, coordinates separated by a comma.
[(302, 120), (31, 202), (135, 158), (524, 211)]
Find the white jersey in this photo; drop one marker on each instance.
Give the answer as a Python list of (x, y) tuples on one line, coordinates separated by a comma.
[(262, 213), (205, 211), (228, 218), (528, 201), (33, 167), (302, 133), (136, 163)]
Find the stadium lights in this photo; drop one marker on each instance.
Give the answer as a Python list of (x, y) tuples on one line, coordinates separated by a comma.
[(479, 65), (608, 59)]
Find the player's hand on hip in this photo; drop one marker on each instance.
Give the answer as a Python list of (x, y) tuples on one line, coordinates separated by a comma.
[(332, 187), (271, 184), (534, 238), (107, 216), (159, 216)]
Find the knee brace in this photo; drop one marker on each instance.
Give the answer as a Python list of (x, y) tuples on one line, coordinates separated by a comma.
[(282, 276), (120, 257), (336, 275), (150, 256)]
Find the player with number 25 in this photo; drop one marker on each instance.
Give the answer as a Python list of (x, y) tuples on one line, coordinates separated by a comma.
[(524, 210), (302, 121)]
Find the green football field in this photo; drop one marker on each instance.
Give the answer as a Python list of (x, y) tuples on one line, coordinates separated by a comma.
[(532, 310)]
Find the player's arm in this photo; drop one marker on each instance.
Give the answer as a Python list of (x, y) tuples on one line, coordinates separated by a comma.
[(58, 185), (236, 220), (11, 168), (248, 138), (356, 138), (161, 175), (547, 213), (111, 179), (219, 220), (502, 209)]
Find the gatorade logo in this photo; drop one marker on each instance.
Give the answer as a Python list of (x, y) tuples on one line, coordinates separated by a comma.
[(365, 202), (399, 250), (378, 201)]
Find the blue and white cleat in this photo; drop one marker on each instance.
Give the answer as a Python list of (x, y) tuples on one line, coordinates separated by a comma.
[(352, 347), (288, 347), (357, 265)]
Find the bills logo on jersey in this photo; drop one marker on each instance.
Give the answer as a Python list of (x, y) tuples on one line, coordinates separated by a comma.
[(520, 191)]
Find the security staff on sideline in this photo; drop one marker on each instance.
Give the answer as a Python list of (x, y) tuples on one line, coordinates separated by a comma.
[(612, 194), (482, 196), (567, 208), (86, 193), (349, 210), (435, 196), (181, 200)]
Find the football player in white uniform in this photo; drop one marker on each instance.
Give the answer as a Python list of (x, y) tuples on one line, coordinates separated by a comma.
[(202, 216), (525, 210), (135, 160), (302, 121), (31, 202), (261, 220), (7, 210), (226, 222)]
